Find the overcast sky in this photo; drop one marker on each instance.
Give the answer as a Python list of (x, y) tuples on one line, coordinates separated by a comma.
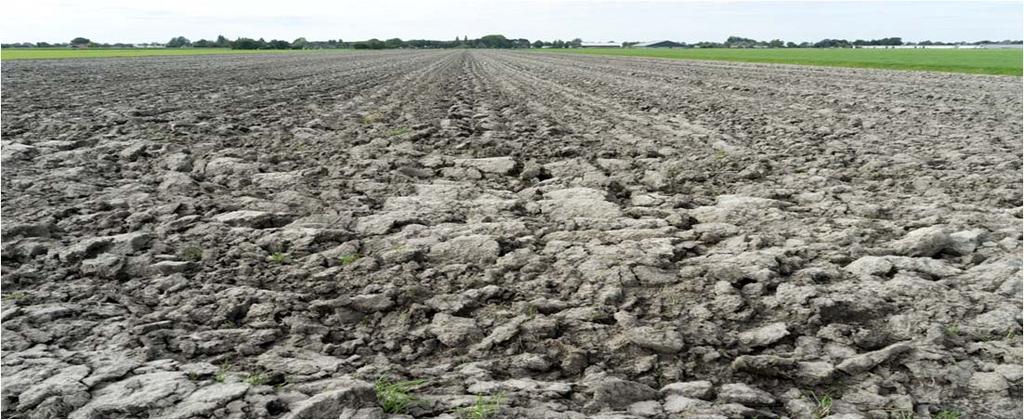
[(591, 20)]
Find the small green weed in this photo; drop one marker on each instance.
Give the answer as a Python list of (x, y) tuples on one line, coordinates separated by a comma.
[(371, 118), (901, 414), (279, 258), (394, 397), (1011, 335), (222, 373), (948, 414), (399, 131), (258, 378), (348, 259), (15, 296), (483, 408), (824, 403), (953, 330), (721, 154)]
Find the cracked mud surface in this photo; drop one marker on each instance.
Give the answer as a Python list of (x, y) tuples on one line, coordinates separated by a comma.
[(265, 236)]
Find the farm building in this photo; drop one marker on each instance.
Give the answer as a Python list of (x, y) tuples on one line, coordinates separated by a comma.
[(608, 44), (1001, 46), (658, 44)]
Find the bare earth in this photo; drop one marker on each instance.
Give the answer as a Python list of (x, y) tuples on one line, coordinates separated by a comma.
[(265, 236)]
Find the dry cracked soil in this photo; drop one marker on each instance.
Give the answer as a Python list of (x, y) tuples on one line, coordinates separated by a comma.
[(526, 234)]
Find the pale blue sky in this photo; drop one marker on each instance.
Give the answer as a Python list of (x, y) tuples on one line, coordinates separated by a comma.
[(594, 20)]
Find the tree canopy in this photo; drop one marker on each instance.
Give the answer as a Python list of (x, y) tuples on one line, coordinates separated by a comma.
[(179, 42)]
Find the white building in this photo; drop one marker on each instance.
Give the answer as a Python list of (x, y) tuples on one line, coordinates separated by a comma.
[(609, 44), (657, 44)]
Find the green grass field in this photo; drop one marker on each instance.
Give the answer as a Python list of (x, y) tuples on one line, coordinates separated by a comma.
[(38, 53), (1002, 62)]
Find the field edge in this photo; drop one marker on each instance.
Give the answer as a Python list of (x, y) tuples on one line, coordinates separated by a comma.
[(898, 66)]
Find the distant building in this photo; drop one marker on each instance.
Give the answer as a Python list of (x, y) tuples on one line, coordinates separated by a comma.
[(658, 44), (1017, 46), (608, 44)]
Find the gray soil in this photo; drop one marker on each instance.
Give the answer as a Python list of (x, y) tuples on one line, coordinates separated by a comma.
[(565, 236)]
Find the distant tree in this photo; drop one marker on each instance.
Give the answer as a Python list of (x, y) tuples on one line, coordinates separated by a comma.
[(776, 43), (300, 43), (222, 42), (43, 45), (178, 42), (245, 44), (202, 43), (428, 43), (832, 43), (538, 44), (393, 43), (494, 41), (884, 41), (740, 42), (576, 43), (706, 44), (371, 44), (792, 45), (278, 44), (78, 42)]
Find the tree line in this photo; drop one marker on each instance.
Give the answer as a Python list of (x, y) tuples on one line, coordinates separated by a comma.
[(487, 41), (740, 42)]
